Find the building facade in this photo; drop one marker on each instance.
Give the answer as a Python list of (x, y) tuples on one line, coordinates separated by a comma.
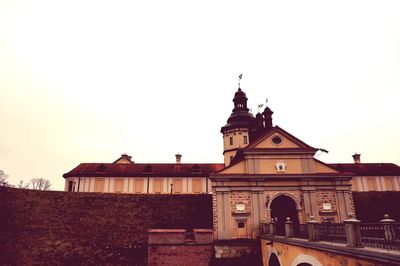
[(370, 177), (257, 156), (126, 176), (270, 175)]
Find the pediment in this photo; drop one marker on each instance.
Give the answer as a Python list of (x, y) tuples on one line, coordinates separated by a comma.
[(277, 138), (286, 156)]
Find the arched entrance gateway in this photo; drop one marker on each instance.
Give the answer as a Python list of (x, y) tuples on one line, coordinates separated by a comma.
[(282, 207), (273, 260)]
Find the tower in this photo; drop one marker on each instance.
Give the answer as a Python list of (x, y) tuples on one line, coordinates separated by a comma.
[(267, 118), (237, 131)]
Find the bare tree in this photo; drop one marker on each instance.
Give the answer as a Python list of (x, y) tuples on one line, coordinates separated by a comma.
[(40, 183), (21, 184), (3, 179)]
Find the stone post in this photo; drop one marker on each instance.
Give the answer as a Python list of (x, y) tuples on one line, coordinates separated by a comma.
[(264, 227), (288, 228), (388, 227), (272, 227), (312, 230), (353, 234)]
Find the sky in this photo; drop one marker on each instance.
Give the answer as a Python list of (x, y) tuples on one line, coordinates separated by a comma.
[(85, 81)]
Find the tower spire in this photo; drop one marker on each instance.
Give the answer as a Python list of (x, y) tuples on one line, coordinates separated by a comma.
[(240, 77)]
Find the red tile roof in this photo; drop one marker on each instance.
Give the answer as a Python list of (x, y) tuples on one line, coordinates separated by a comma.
[(368, 169), (139, 169)]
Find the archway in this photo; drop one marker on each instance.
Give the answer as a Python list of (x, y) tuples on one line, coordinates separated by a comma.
[(305, 260), (282, 207), (273, 260)]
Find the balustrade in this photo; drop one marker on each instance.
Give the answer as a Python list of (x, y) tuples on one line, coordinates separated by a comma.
[(352, 232)]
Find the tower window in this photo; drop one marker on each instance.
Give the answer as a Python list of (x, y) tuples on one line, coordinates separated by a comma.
[(245, 139), (231, 141)]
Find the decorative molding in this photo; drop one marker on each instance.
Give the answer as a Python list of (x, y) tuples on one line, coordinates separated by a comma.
[(280, 166)]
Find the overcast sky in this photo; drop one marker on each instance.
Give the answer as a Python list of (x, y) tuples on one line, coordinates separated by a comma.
[(85, 81)]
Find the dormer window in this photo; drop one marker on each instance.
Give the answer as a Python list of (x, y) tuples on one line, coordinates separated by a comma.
[(101, 169), (148, 169), (195, 169)]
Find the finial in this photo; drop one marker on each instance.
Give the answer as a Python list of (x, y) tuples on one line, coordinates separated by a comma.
[(266, 102), (240, 77), (259, 106)]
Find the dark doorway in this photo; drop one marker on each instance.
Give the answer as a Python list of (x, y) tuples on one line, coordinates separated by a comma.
[(304, 264), (273, 260), (281, 208)]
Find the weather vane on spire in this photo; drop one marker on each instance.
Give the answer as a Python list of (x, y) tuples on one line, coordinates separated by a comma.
[(240, 77)]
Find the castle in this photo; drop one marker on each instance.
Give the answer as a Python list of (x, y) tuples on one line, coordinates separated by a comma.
[(268, 175)]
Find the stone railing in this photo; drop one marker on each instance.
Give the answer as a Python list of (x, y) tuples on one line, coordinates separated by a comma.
[(353, 233)]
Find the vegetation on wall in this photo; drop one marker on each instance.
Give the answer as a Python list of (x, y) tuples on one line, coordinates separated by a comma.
[(371, 206), (90, 228)]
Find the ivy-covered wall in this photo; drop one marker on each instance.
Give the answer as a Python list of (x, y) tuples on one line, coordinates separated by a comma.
[(61, 228), (371, 206)]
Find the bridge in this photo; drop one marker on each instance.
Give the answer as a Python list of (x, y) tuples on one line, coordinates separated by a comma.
[(323, 244)]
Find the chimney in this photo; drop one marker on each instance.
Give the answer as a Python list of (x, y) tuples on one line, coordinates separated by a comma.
[(356, 158), (178, 158)]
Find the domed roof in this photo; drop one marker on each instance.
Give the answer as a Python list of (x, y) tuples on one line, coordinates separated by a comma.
[(240, 116), (240, 93), (267, 111)]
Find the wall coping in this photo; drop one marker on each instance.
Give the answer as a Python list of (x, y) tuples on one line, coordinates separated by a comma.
[(167, 230)]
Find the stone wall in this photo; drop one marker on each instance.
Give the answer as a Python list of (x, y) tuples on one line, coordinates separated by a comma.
[(61, 228)]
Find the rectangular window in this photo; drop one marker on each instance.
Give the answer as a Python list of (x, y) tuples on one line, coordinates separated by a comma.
[(139, 183), (157, 187), (177, 185), (231, 141), (241, 225), (99, 185), (119, 185), (389, 183), (245, 139), (197, 185), (71, 186), (371, 184)]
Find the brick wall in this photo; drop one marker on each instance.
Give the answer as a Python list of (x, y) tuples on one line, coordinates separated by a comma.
[(215, 217), (61, 228), (180, 247)]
